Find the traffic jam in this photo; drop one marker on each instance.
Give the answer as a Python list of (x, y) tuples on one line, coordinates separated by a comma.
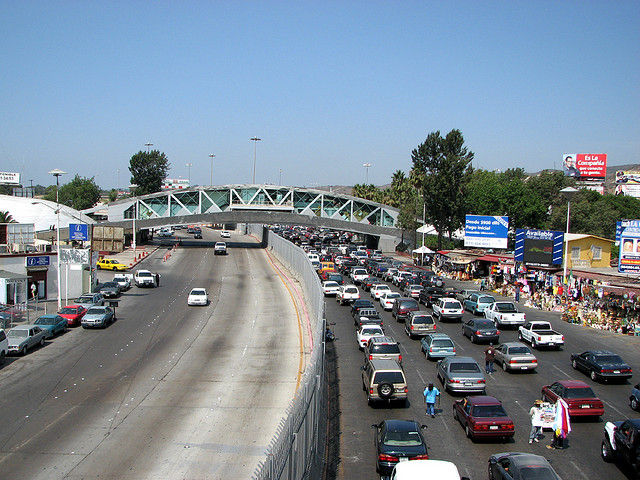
[(426, 307)]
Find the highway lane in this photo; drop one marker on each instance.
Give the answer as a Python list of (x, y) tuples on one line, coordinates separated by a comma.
[(517, 391), (168, 391)]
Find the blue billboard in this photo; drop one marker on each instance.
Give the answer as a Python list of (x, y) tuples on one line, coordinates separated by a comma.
[(486, 231), (78, 231), (629, 256), (622, 224), (543, 248)]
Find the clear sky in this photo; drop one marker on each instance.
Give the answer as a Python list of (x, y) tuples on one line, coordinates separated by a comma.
[(327, 85)]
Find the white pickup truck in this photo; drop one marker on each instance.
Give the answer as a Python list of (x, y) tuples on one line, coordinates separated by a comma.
[(504, 313), (144, 278), (540, 334), (347, 294)]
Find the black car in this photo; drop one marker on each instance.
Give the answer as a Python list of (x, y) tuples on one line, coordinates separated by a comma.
[(367, 316), (601, 365), (621, 443), (361, 303), (367, 283), (481, 330), (335, 277), (429, 295), (109, 289), (518, 466), (402, 307), (398, 440)]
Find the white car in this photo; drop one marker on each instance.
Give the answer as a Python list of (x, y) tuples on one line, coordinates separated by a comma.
[(330, 288), (379, 290), (400, 276), (347, 294), (358, 275), (365, 332), (198, 296), (504, 313), (388, 299), (225, 234), (447, 309), (388, 275), (220, 248)]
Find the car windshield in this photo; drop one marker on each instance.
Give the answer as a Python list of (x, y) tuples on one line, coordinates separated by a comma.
[(484, 324), (423, 319), (452, 305), (464, 367), (402, 439), (17, 334), (388, 377), (144, 274), (109, 285), (387, 349), (360, 272), (519, 351), (485, 300), (392, 295), (506, 308), (95, 311), (335, 277), (68, 310), (537, 473), (489, 411), (579, 392), (383, 287), (409, 304), (85, 298), (330, 284), (351, 290), (47, 321), (198, 292), (372, 331), (442, 343), (608, 359)]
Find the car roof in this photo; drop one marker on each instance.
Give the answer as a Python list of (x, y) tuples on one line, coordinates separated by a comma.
[(515, 344), (385, 364), (484, 400), (600, 352), (460, 359), (440, 468), (75, 305), (383, 339), (49, 315), (438, 335), (401, 425), (449, 299), (523, 459), (572, 383), (24, 327)]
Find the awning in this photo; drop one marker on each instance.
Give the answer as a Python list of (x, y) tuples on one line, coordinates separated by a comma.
[(496, 258), (423, 249), (12, 275)]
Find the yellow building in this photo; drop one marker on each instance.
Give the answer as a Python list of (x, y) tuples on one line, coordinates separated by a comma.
[(587, 251)]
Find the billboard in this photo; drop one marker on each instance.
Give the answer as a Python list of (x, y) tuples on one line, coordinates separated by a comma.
[(486, 231), (9, 178), (541, 248), (585, 166), (622, 224), (629, 256), (628, 183)]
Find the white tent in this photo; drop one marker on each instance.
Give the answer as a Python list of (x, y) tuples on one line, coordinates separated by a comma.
[(423, 250)]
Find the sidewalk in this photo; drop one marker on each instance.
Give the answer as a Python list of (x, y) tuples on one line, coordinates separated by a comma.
[(131, 258)]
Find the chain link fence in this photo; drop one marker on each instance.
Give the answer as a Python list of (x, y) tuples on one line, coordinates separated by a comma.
[(22, 313), (297, 450)]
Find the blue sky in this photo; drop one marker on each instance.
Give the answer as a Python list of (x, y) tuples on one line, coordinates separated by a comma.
[(327, 85)]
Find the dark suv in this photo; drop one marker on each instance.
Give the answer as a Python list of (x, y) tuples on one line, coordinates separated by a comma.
[(429, 295), (403, 306)]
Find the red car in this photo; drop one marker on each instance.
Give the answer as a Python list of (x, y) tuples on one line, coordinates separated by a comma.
[(578, 395), (73, 314), (483, 416)]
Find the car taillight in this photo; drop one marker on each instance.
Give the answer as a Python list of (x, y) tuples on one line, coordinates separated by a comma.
[(497, 332), (420, 457), (411, 327), (481, 427), (563, 338), (606, 370), (387, 458), (371, 391), (370, 357), (431, 349), (400, 358), (454, 350), (481, 381), (435, 326), (477, 332), (539, 338), (406, 389), (524, 316), (513, 361)]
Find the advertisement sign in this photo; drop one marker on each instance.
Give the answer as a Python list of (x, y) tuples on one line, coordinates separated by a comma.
[(486, 231), (37, 261), (627, 178), (78, 231), (9, 178), (629, 257), (74, 255), (622, 224), (543, 248), (585, 166)]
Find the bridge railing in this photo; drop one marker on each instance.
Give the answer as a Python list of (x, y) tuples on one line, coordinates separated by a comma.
[(297, 449)]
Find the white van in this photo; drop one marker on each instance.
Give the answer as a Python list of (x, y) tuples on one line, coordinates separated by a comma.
[(421, 469), (313, 257)]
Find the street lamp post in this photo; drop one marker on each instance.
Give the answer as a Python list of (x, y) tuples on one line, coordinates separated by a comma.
[(280, 178), (255, 141), (366, 166), (133, 186), (57, 173), (567, 192), (148, 145), (189, 165), (212, 156)]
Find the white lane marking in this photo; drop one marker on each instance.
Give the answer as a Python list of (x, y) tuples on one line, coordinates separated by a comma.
[(578, 469), (523, 408), (612, 407), (562, 371), (420, 375), (244, 351)]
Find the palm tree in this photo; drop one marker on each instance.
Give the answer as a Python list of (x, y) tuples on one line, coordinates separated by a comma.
[(5, 217)]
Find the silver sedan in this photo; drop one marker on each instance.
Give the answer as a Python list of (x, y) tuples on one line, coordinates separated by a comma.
[(515, 356), (461, 374), (97, 317)]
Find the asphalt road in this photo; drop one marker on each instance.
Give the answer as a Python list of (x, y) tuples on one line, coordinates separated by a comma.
[(445, 437), (167, 391)]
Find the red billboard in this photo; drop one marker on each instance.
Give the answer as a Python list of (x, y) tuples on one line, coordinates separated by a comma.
[(586, 166)]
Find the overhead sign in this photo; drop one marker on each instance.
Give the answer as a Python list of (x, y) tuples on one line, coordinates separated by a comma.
[(585, 166), (38, 261), (9, 178), (486, 231), (78, 231), (541, 248), (629, 256)]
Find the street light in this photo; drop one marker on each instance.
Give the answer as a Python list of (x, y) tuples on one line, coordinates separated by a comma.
[(133, 186), (567, 192), (212, 156), (148, 145), (255, 141), (366, 166), (189, 165), (280, 180), (58, 173)]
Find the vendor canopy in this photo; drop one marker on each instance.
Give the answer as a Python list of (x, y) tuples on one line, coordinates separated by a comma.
[(423, 249)]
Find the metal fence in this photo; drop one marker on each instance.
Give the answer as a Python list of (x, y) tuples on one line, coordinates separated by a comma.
[(297, 450), (22, 313)]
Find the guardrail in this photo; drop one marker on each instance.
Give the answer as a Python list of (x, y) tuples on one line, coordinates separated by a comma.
[(297, 449)]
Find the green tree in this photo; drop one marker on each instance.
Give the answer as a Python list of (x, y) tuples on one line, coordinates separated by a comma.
[(368, 192), (148, 171), (113, 195), (444, 166), (79, 193), (6, 217)]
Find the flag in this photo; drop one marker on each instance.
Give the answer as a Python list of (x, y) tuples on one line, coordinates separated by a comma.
[(562, 422)]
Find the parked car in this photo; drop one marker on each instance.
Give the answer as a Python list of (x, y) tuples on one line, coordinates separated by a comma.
[(477, 302), (447, 308), (483, 417), (384, 380), (429, 295), (503, 314), (402, 307), (622, 443), (24, 337), (578, 395), (111, 264), (87, 300), (347, 294), (385, 348), (480, 330), (365, 332), (388, 299), (461, 374), (198, 296), (398, 440), (97, 317), (378, 290), (517, 465), (515, 356), (634, 397), (330, 288), (437, 345), (419, 324), (4, 345), (109, 289), (52, 324), (601, 365), (73, 314)]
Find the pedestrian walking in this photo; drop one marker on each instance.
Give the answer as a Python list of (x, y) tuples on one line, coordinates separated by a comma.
[(483, 285), (536, 421), (431, 394), (489, 357)]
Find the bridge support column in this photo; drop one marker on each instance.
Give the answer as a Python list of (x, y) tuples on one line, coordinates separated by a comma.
[(387, 243)]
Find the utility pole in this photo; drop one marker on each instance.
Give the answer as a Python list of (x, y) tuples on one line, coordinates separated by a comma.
[(255, 141), (212, 156)]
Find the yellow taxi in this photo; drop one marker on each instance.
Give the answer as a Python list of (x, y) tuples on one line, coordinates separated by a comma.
[(111, 264)]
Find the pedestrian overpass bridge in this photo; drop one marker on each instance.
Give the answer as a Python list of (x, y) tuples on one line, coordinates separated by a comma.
[(262, 204)]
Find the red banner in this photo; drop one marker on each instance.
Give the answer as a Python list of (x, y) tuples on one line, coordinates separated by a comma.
[(592, 165)]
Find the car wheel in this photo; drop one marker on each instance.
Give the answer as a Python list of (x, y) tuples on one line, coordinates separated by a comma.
[(455, 415), (42, 342), (633, 403), (593, 375), (2, 356), (608, 453), (467, 431), (519, 337), (504, 365), (534, 344), (474, 339), (574, 364), (23, 352)]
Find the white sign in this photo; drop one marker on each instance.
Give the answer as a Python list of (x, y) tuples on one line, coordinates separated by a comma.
[(9, 178), (74, 255)]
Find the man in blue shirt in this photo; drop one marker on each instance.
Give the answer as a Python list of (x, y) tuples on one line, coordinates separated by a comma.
[(431, 393)]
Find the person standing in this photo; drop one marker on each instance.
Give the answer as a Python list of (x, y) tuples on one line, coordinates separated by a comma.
[(431, 394), (489, 357), (536, 421)]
